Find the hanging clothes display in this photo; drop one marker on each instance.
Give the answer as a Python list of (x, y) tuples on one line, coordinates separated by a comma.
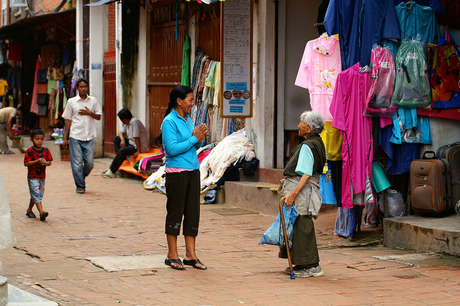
[(410, 128), (436, 5), (361, 24), (318, 72), (418, 22), (412, 85), (347, 109), (185, 76), (379, 102), (34, 105)]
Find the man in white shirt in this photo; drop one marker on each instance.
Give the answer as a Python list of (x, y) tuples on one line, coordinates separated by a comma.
[(137, 141), (81, 114)]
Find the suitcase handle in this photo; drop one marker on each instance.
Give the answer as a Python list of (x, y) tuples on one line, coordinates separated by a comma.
[(429, 152)]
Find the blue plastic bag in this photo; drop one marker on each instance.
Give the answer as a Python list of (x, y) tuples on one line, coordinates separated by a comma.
[(274, 235), (345, 223), (327, 188)]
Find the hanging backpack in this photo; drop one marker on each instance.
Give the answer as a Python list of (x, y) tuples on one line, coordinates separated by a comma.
[(378, 101), (445, 73), (412, 85)]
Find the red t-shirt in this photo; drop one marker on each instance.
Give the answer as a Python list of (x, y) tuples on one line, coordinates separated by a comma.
[(37, 171)]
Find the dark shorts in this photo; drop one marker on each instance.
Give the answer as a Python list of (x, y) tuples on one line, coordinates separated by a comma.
[(183, 192)]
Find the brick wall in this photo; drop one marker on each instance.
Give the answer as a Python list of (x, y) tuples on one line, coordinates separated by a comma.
[(50, 5), (112, 31)]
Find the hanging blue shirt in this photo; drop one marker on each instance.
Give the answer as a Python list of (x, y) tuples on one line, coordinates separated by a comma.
[(399, 156), (361, 24), (416, 19), (409, 127), (434, 4)]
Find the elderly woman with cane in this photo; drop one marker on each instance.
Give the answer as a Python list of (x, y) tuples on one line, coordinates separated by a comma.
[(300, 187), (180, 141)]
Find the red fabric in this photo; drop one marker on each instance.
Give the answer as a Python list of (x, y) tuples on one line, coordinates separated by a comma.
[(34, 104), (15, 51), (37, 171), (203, 155)]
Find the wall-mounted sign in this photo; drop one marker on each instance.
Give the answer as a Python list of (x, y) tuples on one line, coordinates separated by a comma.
[(236, 58)]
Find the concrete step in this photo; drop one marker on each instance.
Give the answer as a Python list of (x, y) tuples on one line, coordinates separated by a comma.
[(3, 291), (248, 196), (245, 194), (430, 234), (270, 175)]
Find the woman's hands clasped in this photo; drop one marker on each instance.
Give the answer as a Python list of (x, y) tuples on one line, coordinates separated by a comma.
[(200, 132)]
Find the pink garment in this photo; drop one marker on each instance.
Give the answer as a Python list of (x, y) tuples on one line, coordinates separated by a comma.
[(34, 104), (177, 170), (347, 109), (318, 72), (203, 155)]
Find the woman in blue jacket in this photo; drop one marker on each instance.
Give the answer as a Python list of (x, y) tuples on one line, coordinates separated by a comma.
[(180, 142)]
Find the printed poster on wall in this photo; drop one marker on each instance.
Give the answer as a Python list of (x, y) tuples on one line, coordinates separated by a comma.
[(237, 59)]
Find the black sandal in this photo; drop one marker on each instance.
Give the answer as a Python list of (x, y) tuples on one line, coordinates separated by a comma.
[(194, 262), (178, 262)]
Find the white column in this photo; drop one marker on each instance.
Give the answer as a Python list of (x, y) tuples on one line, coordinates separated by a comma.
[(97, 45), (79, 33), (140, 101), (118, 42), (266, 81)]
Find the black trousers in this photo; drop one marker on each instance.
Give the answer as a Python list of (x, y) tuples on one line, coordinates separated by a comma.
[(183, 192), (122, 153)]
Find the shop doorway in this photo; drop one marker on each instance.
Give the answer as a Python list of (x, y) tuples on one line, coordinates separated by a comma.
[(165, 70), (110, 102)]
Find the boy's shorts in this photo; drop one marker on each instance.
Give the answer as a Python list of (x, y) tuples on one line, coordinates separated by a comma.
[(36, 190)]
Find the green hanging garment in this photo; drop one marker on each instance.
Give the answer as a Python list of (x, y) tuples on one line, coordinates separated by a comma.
[(185, 80)]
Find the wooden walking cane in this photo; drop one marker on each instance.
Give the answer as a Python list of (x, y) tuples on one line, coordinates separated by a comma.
[(286, 241)]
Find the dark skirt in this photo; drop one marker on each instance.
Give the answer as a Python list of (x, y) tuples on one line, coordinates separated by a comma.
[(304, 251)]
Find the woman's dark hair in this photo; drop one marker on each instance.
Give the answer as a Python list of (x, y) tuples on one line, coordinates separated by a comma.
[(178, 92), (82, 80), (124, 113), (36, 131)]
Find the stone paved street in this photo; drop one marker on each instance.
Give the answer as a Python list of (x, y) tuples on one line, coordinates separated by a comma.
[(117, 217)]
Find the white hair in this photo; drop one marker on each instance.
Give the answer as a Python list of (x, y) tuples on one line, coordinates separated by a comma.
[(314, 119)]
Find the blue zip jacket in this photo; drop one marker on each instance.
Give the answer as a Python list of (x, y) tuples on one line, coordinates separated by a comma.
[(179, 143)]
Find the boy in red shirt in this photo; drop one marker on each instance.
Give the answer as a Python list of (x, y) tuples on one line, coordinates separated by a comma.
[(36, 159)]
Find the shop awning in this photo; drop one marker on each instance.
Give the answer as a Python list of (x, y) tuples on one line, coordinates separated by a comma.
[(60, 20), (100, 2)]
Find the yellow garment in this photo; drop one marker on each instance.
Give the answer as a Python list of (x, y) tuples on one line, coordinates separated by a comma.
[(332, 141), (3, 87)]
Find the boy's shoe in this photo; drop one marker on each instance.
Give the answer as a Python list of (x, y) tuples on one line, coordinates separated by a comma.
[(8, 152), (43, 215), (311, 272), (30, 214), (109, 174)]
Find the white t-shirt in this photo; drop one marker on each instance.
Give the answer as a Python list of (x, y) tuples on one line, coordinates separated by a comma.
[(83, 127)]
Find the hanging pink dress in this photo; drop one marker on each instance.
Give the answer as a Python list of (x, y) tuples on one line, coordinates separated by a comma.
[(318, 72), (347, 108)]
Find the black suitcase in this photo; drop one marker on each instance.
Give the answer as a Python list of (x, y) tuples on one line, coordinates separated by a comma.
[(451, 153)]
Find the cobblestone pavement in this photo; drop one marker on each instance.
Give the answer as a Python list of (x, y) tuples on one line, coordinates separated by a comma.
[(117, 217)]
